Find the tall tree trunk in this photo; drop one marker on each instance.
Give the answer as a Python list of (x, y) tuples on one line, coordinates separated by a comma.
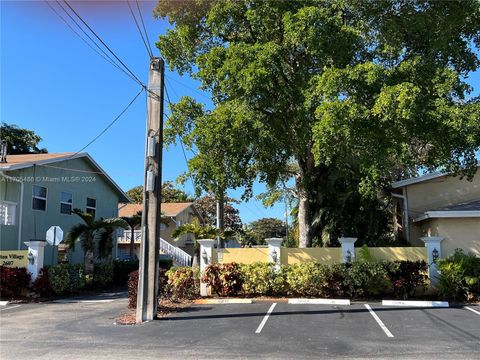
[(306, 167), (88, 262), (132, 242), (220, 217), (304, 220)]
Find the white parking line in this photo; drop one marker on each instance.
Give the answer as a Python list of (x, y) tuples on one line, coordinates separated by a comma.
[(10, 307), (265, 318), (72, 301), (380, 322), (475, 311)]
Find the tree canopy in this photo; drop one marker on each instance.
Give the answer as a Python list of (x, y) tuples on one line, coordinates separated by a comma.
[(207, 207), (324, 85), (20, 141), (265, 228), (170, 194)]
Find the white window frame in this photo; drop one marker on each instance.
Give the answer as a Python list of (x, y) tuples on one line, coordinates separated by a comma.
[(39, 197), (66, 203), (94, 208), (5, 216)]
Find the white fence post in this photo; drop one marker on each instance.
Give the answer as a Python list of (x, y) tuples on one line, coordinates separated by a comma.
[(348, 249), (35, 257), (274, 251), (434, 252), (206, 256)]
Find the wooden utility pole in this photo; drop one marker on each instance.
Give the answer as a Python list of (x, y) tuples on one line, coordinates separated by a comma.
[(147, 294)]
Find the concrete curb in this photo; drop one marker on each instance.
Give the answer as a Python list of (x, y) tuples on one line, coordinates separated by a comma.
[(443, 304), (320, 301), (222, 301), (3, 303)]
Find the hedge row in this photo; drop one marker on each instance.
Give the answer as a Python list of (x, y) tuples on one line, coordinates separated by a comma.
[(403, 279)]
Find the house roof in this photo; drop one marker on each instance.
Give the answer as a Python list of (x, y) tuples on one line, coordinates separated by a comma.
[(419, 179), (464, 210), (18, 162), (168, 209)]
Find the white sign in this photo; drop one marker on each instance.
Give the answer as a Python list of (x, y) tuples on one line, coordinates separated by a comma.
[(54, 235)]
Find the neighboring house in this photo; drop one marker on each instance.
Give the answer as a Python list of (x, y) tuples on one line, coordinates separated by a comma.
[(174, 215), (40, 190), (439, 205)]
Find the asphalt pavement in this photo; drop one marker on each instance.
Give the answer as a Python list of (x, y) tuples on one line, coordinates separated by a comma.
[(83, 328)]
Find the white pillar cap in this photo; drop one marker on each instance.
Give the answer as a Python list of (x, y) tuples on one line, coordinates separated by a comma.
[(276, 242), (206, 242), (431, 239), (347, 240), (36, 243)]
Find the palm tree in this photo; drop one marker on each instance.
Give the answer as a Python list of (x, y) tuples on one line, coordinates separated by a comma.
[(133, 222), (199, 232), (88, 231)]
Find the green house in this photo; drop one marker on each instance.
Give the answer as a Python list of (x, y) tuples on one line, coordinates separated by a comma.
[(38, 191)]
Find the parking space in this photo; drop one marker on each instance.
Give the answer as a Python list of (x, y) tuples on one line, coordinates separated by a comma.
[(272, 330)]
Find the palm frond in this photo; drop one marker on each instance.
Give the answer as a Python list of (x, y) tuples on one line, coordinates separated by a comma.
[(76, 232), (86, 217)]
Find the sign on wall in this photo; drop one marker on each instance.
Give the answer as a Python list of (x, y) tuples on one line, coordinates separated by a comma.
[(14, 258)]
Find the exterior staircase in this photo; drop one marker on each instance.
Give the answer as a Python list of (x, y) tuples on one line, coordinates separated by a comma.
[(179, 257)]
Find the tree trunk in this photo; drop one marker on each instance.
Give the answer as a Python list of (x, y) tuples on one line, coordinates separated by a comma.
[(306, 167), (304, 221), (132, 242), (220, 218), (88, 262)]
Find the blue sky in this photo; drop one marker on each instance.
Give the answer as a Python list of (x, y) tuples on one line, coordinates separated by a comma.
[(54, 84)]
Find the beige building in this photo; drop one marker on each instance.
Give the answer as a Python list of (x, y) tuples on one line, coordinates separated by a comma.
[(439, 205), (173, 214)]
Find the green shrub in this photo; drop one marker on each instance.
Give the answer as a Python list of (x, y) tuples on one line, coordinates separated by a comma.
[(367, 280), (59, 278), (261, 279), (102, 275), (407, 277), (224, 279), (183, 283), (122, 269), (308, 279), (14, 281), (459, 278), (165, 264), (67, 278)]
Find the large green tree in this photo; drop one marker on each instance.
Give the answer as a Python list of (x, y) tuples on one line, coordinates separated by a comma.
[(265, 228), (323, 85), (170, 194), (207, 207), (20, 141)]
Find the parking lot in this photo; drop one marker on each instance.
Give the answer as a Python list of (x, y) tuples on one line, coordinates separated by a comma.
[(84, 329)]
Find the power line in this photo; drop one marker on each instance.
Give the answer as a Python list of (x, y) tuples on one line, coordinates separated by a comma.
[(144, 28), (106, 46), (80, 36), (111, 123), (150, 54), (105, 56), (188, 87)]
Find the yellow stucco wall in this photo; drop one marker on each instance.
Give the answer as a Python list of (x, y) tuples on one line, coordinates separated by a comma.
[(463, 233), (321, 255), (396, 253), (244, 255), (440, 192)]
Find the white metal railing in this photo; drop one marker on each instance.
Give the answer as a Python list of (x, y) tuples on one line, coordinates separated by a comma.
[(125, 236), (178, 255)]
